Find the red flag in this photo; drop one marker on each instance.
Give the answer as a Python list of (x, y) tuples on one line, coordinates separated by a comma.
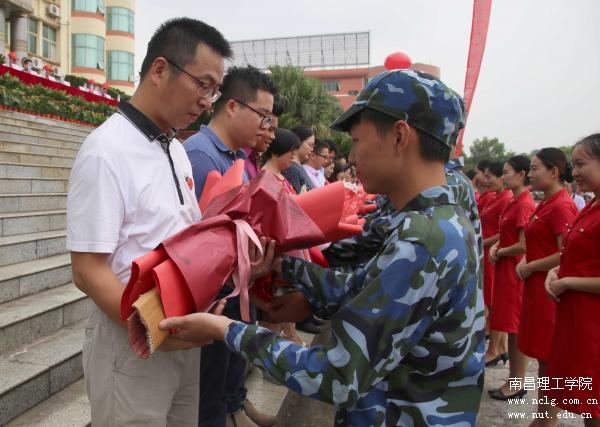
[(479, 29)]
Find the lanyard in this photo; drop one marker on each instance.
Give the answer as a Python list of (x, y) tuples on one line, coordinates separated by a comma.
[(166, 146)]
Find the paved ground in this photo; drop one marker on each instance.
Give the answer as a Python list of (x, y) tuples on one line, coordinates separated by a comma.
[(303, 412)]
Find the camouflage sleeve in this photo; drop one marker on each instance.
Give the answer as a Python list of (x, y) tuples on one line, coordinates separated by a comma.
[(324, 288), (371, 333)]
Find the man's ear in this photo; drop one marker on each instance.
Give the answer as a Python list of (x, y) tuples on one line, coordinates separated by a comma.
[(230, 107), (402, 133), (159, 70)]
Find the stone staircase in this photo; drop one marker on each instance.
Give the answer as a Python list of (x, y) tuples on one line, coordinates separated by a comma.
[(41, 310)]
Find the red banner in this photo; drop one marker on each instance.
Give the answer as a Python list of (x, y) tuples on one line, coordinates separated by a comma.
[(479, 29)]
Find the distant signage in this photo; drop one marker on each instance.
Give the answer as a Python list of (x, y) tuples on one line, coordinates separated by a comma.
[(318, 51)]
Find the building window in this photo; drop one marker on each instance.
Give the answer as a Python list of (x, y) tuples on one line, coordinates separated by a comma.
[(88, 51), (32, 30), (331, 86), (49, 43), (120, 65), (353, 92), (120, 19), (92, 6)]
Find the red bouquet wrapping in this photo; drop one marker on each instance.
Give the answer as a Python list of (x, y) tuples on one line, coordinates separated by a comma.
[(190, 268)]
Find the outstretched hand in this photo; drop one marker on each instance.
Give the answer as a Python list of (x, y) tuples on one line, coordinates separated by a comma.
[(195, 330)]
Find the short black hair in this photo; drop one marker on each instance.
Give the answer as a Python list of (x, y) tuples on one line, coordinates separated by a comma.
[(243, 83), (552, 157), (496, 168), (284, 142), (520, 163), (471, 173), (178, 39), (303, 132), (591, 144), (482, 165), (319, 145), (277, 109), (333, 146), (430, 148)]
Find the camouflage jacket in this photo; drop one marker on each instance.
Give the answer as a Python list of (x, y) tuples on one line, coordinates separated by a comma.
[(407, 329), (355, 251), (467, 200)]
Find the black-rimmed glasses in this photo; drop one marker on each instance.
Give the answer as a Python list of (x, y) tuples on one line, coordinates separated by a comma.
[(266, 121), (204, 89)]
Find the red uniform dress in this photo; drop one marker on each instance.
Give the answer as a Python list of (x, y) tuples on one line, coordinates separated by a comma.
[(489, 215), (576, 345), (551, 218), (508, 288)]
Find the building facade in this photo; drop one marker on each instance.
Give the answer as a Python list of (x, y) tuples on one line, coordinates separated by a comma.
[(346, 83), (93, 39)]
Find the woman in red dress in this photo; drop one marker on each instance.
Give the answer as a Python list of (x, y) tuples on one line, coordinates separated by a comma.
[(543, 238), (505, 254), (576, 286), (489, 224)]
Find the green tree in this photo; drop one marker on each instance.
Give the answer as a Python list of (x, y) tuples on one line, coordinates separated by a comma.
[(305, 103), (486, 148)]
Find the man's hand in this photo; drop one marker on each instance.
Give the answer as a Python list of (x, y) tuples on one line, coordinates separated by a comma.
[(197, 328), (261, 265)]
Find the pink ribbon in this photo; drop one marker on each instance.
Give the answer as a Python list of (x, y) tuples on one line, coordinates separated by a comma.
[(241, 273)]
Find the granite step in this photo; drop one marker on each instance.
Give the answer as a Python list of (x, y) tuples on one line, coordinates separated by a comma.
[(30, 246), (33, 185), (25, 147), (22, 170), (26, 128), (34, 372), (69, 407), (30, 277), (30, 318), (12, 224), (31, 121), (8, 155), (32, 202), (58, 140)]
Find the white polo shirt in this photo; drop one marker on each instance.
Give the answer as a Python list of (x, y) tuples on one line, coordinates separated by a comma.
[(122, 195)]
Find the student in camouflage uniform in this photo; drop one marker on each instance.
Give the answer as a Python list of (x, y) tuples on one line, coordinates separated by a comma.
[(407, 328)]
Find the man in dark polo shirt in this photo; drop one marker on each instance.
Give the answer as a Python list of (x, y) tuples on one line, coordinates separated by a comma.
[(242, 118)]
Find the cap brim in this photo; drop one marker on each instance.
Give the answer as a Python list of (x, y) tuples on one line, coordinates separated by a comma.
[(342, 123)]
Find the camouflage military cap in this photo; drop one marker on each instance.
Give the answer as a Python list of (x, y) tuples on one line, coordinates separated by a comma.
[(417, 97)]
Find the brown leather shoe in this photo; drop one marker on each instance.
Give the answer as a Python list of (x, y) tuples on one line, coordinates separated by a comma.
[(263, 420), (239, 419)]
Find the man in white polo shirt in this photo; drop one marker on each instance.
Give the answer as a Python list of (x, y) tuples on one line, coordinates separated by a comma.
[(131, 187)]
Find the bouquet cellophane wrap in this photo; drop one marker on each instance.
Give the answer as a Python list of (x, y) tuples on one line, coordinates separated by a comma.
[(191, 267)]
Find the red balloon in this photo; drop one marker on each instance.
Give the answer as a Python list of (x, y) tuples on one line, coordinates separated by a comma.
[(397, 61)]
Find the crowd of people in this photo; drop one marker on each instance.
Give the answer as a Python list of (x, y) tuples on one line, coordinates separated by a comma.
[(536, 265), (405, 298)]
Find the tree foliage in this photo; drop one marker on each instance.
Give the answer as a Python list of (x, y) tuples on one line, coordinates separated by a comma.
[(305, 103)]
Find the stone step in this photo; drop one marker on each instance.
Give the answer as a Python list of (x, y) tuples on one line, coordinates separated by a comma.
[(22, 170), (30, 318), (27, 247), (44, 149), (35, 122), (22, 202), (33, 373), (33, 185), (69, 407), (13, 224), (10, 156), (65, 141), (30, 277), (44, 131)]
